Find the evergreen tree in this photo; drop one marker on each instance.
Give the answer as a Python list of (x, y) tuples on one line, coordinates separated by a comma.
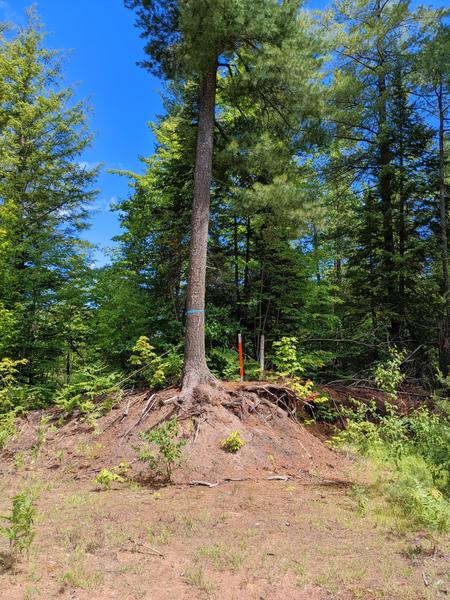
[(193, 39), (44, 193)]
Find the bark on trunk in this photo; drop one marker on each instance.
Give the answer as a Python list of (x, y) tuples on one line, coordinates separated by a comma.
[(247, 259), (195, 368), (385, 191), (236, 269)]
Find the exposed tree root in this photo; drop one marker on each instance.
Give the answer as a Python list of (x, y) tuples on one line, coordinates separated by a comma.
[(265, 413), (263, 400)]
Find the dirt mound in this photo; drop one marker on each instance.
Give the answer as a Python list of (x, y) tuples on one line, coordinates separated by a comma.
[(409, 397), (275, 445)]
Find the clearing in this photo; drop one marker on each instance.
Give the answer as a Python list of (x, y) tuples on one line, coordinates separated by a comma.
[(305, 537)]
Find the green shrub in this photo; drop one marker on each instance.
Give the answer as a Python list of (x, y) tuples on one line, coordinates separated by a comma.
[(415, 449), (387, 373), (20, 532), (26, 397), (163, 448), (157, 371), (224, 364), (290, 362), (414, 495), (106, 476), (233, 443), (91, 391), (285, 358)]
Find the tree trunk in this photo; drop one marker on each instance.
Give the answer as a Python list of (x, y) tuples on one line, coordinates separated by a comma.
[(385, 191), (444, 342), (316, 253), (402, 233), (236, 269), (195, 368), (247, 260)]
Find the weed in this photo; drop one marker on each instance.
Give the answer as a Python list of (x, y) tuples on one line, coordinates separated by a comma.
[(195, 577), (223, 558), (412, 454), (300, 572), (233, 443), (106, 477), (168, 448), (19, 460), (87, 450), (158, 534), (7, 427), (43, 429), (78, 576), (59, 455), (20, 531)]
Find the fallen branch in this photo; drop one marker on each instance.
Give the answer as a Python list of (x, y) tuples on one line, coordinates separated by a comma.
[(204, 483), (147, 408), (147, 547)]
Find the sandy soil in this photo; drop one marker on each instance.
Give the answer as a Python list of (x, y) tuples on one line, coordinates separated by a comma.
[(255, 540), (300, 538)]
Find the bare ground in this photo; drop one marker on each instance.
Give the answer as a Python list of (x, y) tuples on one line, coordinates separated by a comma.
[(301, 538)]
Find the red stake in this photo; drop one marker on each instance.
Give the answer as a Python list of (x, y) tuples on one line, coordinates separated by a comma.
[(241, 357)]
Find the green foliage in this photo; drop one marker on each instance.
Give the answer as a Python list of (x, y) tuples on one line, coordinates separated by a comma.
[(387, 373), (233, 443), (225, 365), (92, 391), (413, 493), (20, 532), (416, 450), (289, 362), (8, 371), (285, 357), (43, 429), (157, 371), (107, 476), (163, 448), (44, 192), (7, 427)]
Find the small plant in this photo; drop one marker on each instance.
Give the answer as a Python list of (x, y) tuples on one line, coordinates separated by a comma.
[(106, 476), (412, 455), (20, 532), (168, 445), (222, 556), (388, 375), (285, 357), (157, 370), (43, 429), (7, 427), (196, 577), (19, 460), (59, 455), (290, 362), (91, 391), (233, 443)]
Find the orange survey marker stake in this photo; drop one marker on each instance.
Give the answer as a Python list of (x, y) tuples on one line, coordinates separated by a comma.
[(241, 357)]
